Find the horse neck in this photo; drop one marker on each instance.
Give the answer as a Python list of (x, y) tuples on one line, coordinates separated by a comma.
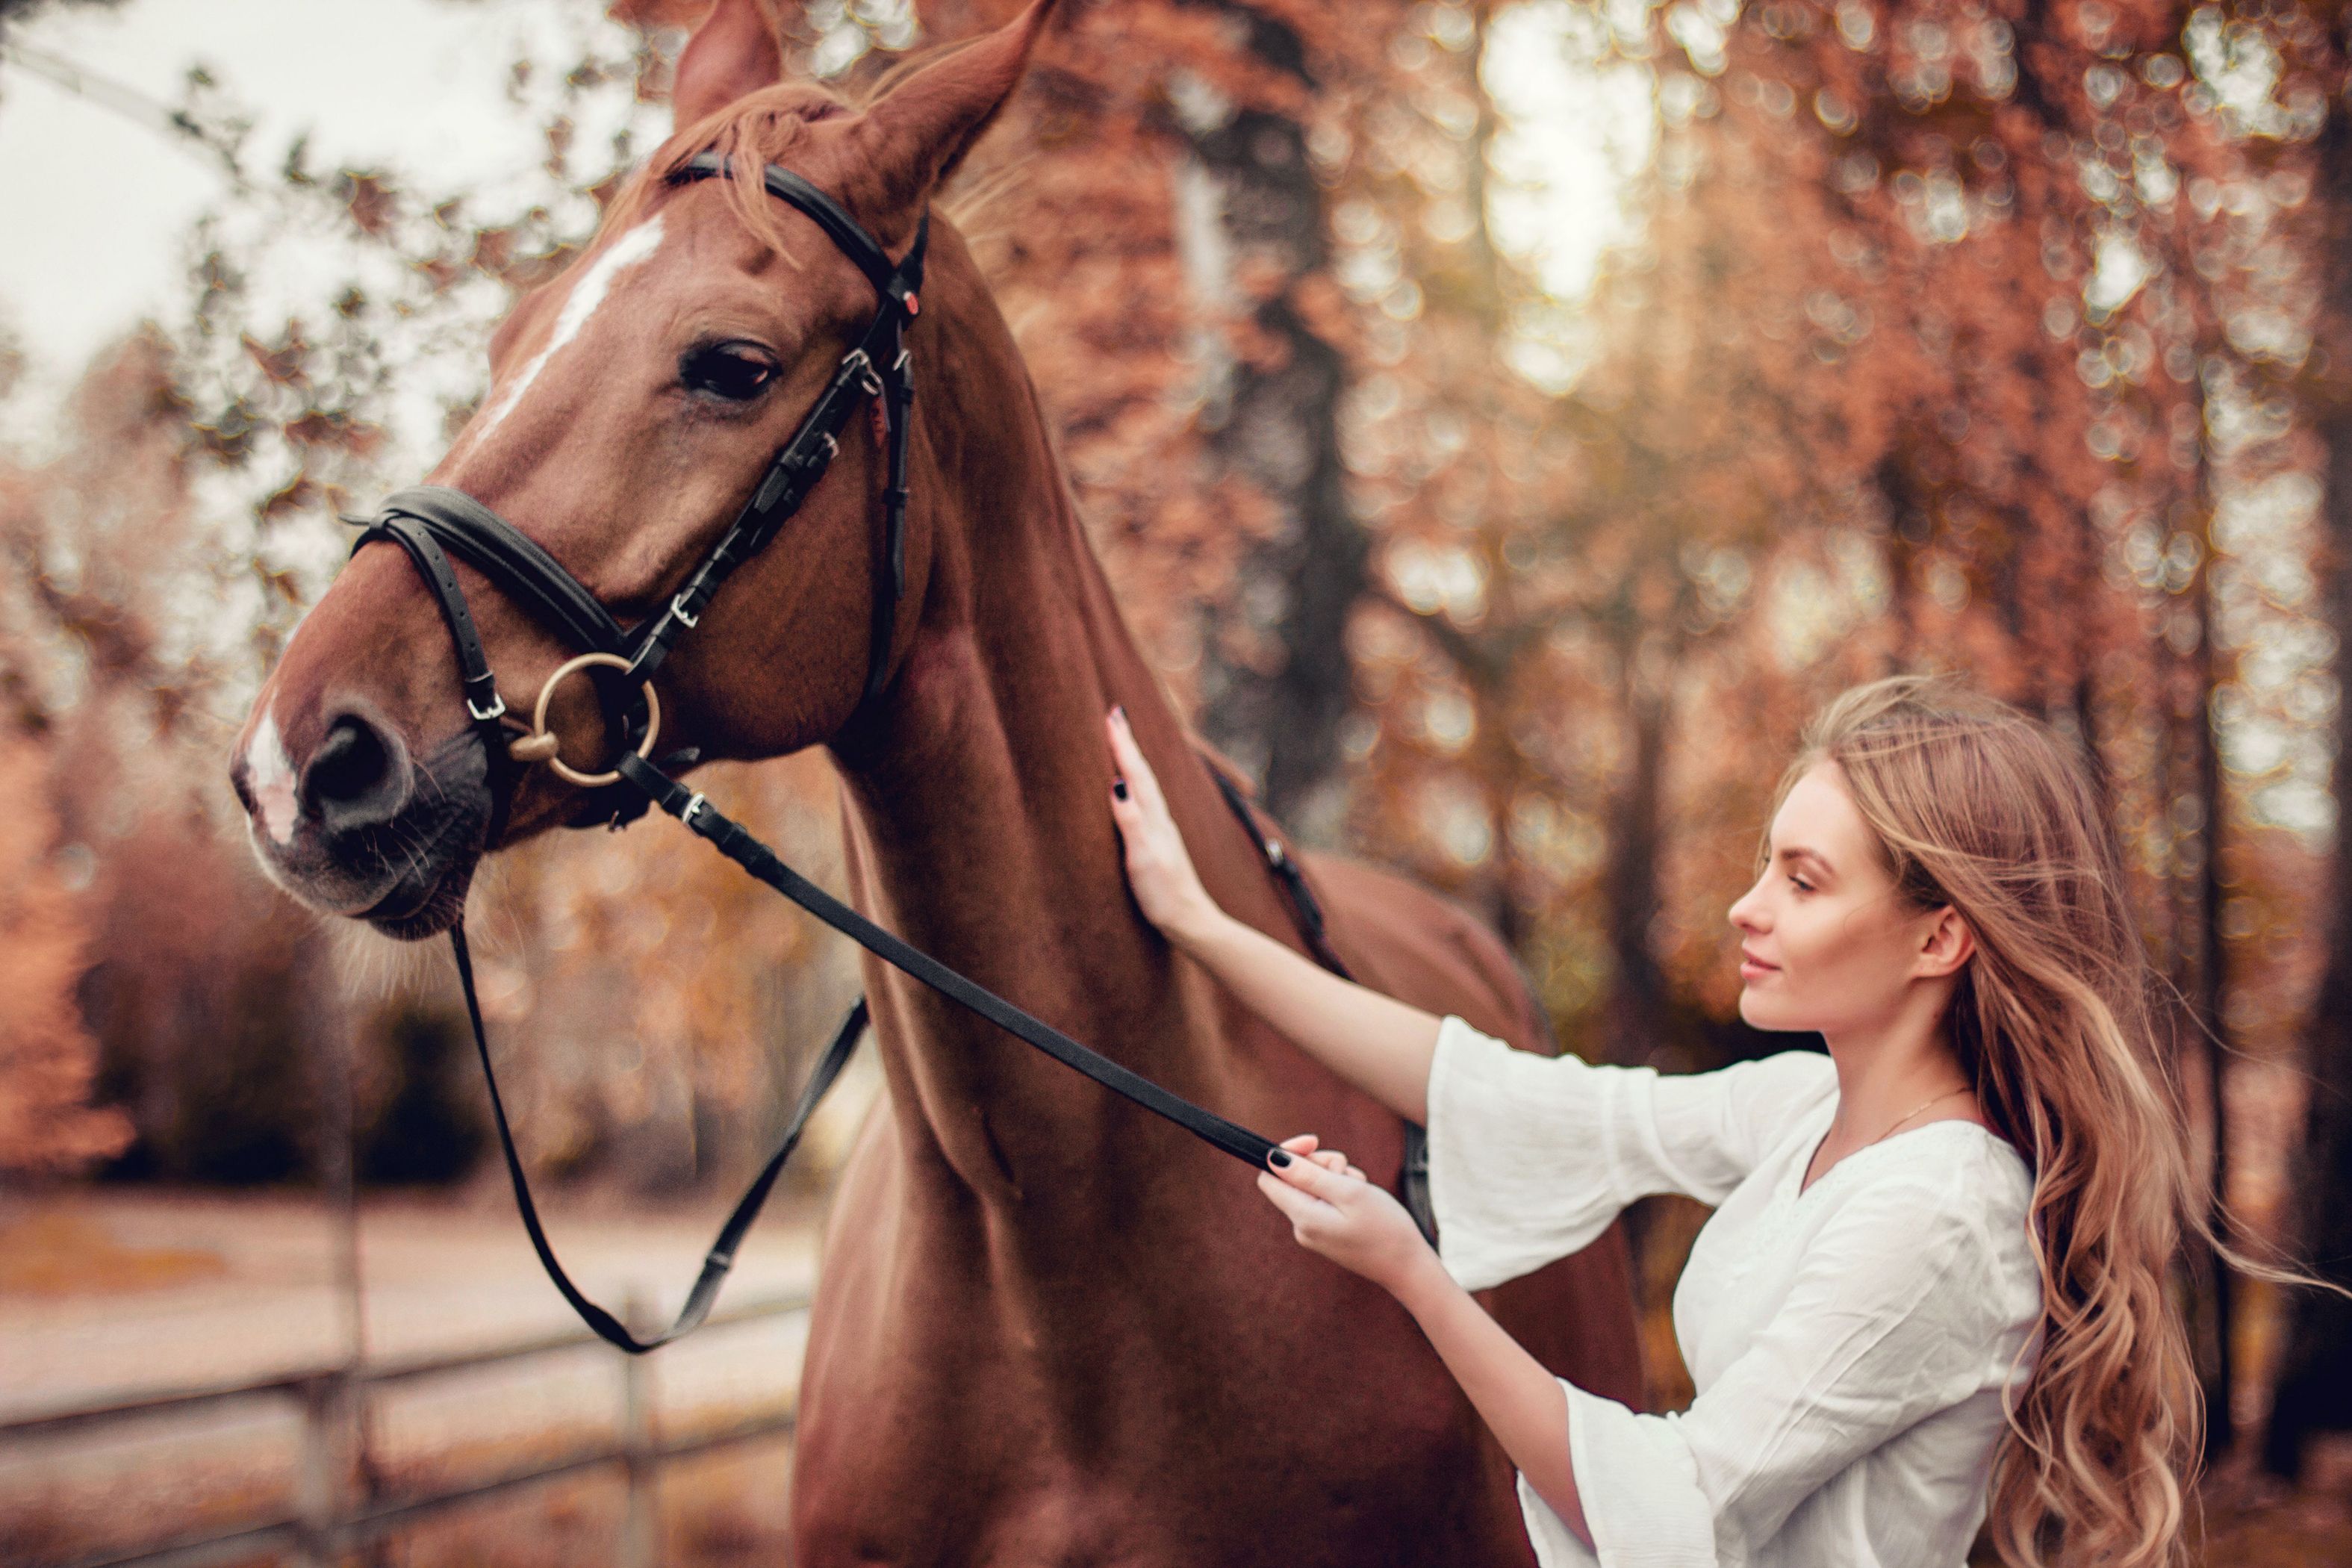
[(977, 819)]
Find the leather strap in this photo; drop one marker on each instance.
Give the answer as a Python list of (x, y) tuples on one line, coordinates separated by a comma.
[(730, 840), (847, 233), (721, 1256), (482, 700), (1412, 1179), (512, 559)]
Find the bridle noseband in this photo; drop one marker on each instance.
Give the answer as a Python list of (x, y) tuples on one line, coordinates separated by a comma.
[(433, 522)]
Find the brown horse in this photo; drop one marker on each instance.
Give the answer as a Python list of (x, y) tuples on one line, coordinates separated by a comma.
[(1051, 1328)]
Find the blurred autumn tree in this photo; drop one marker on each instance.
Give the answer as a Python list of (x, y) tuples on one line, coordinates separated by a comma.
[(2302, 300), (47, 1058)]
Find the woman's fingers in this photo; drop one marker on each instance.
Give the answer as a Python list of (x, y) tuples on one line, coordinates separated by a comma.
[(1299, 1207), (1303, 1173), (1308, 1143), (1160, 870), (1132, 765), (1143, 807), (1311, 1177), (1126, 762)]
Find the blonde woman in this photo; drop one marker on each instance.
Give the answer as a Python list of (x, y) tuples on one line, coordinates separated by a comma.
[(1935, 1272)]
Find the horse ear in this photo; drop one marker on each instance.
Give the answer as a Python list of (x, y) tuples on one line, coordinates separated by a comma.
[(733, 52), (918, 131)]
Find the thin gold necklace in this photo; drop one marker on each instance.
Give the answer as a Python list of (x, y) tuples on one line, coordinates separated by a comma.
[(1810, 1178), (1916, 1110)]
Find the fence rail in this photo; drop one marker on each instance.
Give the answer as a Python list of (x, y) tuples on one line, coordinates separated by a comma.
[(328, 1522)]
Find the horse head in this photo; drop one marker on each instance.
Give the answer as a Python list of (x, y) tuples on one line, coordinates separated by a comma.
[(634, 401)]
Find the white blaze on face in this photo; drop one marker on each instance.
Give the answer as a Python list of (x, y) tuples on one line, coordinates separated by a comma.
[(586, 295), (270, 774)]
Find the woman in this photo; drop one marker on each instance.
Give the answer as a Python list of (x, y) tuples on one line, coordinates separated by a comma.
[(1935, 1272)]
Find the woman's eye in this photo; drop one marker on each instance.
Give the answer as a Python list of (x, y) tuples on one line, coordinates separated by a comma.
[(736, 372), (1801, 882)]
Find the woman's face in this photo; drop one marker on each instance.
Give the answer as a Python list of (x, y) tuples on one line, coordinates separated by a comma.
[(1824, 942)]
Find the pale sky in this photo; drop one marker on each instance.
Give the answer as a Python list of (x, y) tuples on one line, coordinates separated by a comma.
[(103, 203)]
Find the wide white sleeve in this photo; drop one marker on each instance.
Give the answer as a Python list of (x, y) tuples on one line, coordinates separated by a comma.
[(1897, 1312), (1530, 1157)]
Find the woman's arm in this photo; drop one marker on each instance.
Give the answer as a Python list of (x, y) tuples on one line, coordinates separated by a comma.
[(1523, 1403), (1334, 1211), (1379, 1044)]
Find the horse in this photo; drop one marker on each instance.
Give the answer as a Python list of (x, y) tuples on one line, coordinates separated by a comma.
[(1048, 1327)]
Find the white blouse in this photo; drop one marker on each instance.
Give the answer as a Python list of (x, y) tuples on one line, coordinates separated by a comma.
[(1849, 1344)]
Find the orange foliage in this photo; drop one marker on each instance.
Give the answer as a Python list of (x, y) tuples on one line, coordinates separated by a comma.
[(47, 1058), (1845, 408)]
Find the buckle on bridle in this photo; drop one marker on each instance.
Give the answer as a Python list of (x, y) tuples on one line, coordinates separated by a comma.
[(692, 806), (871, 380), (540, 743), (498, 710), (677, 610)]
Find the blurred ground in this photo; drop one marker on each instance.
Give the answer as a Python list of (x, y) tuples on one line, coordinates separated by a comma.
[(107, 1295)]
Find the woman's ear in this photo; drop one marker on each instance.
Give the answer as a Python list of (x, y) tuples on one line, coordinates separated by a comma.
[(733, 52), (1949, 943)]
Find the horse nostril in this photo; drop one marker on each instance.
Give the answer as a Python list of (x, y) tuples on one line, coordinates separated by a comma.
[(355, 778)]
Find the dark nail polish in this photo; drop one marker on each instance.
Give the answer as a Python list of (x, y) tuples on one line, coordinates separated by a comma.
[(1278, 1158), (1118, 788)]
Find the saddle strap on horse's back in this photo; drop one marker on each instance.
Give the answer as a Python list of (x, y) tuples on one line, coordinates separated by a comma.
[(1413, 1180)]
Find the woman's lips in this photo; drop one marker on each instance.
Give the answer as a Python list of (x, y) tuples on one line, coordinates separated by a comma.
[(1749, 968)]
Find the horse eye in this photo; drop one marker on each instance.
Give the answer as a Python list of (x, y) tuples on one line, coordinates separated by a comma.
[(736, 372)]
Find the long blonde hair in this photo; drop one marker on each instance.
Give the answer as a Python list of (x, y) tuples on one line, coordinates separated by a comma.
[(1980, 806)]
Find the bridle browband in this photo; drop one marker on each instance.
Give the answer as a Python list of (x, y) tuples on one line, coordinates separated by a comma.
[(433, 522)]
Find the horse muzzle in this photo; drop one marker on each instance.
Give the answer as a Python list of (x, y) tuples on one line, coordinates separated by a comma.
[(365, 828)]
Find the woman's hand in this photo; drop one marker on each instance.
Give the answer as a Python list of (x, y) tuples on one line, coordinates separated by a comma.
[(1335, 1211), (1159, 867)]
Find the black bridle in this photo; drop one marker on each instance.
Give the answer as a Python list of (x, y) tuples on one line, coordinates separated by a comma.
[(429, 519), (431, 523)]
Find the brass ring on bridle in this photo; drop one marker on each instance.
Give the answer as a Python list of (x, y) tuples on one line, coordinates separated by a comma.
[(540, 745)]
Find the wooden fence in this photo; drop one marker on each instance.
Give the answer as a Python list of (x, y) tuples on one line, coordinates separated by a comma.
[(329, 1520)]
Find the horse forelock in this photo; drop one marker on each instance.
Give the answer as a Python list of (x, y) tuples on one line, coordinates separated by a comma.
[(770, 126)]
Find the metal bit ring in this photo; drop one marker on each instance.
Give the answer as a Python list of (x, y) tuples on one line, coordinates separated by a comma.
[(540, 744)]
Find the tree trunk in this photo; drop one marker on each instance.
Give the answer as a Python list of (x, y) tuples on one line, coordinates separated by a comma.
[(1276, 709), (2201, 935), (2315, 1385), (1637, 1019)]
